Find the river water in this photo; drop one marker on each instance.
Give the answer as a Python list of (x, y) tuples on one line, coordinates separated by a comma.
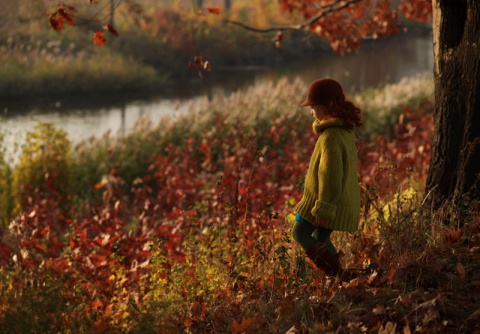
[(377, 63)]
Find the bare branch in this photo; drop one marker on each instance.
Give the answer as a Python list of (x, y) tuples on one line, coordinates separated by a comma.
[(325, 10)]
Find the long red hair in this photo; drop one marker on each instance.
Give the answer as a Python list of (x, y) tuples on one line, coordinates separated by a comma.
[(346, 111)]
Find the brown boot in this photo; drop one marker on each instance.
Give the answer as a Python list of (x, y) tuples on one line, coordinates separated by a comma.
[(328, 262), (324, 259)]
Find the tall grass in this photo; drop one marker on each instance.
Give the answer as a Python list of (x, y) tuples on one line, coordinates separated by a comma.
[(382, 107), (58, 68)]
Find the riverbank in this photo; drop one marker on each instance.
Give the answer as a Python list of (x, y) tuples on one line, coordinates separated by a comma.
[(42, 65)]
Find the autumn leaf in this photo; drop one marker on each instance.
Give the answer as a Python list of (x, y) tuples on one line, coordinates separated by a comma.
[(56, 23), (111, 29), (198, 60), (214, 10), (242, 326), (453, 236), (280, 36), (99, 38), (278, 39), (207, 67), (61, 16), (66, 15), (202, 65), (389, 328), (99, 327)]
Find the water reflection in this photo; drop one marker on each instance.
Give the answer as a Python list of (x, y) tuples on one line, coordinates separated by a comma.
[(387, 61)]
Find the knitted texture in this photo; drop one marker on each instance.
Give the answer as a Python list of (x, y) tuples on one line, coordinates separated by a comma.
[(331, 189)]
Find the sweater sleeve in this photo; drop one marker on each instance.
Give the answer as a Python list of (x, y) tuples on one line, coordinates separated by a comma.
[(330, 177)]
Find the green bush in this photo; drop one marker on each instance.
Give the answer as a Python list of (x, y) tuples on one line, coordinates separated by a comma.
[(43, 168)]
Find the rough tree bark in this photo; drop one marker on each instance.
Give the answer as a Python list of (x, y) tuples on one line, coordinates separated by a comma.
[(454, 175)]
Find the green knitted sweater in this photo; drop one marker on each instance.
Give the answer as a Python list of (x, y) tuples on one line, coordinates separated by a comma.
[(331, 189)]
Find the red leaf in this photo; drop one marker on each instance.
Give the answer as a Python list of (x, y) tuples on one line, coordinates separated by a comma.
[(99, 38), (198, 60), (66, 16), (40, 248), (280, 36), (213, 10), (56, 22), (61, 16), (111, 29)]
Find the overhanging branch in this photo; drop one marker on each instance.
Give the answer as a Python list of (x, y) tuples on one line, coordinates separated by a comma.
[(324, 10)]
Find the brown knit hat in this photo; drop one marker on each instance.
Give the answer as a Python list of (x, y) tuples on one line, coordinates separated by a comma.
[(323, 91)]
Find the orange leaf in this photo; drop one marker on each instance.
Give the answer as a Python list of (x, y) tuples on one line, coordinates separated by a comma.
[(96, 304), (111, 29), (99, 38), (391, 274), (108, 309), (453, 236), (99, 185), (214, 10)]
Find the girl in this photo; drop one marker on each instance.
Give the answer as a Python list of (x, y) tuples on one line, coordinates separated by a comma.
[(331, 197)]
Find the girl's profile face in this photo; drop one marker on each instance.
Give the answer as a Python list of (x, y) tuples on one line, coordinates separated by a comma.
[(319, 111)]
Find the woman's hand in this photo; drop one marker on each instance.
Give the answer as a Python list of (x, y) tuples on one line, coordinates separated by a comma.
[(320, 221)]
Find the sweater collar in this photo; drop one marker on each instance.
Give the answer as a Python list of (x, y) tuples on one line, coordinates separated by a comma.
[(320, 126)]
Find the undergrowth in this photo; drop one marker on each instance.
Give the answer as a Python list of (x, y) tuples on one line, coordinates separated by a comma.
[(184, 226)]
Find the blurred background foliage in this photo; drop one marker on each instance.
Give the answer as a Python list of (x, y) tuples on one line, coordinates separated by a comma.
[(157, 41)]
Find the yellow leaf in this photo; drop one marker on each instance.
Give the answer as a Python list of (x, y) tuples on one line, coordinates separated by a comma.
[(291, 218)]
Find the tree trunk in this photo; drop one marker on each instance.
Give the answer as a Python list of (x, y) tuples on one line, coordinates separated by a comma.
[(454, 175)]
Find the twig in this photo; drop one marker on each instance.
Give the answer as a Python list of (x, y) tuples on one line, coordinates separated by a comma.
[(325, 10)]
